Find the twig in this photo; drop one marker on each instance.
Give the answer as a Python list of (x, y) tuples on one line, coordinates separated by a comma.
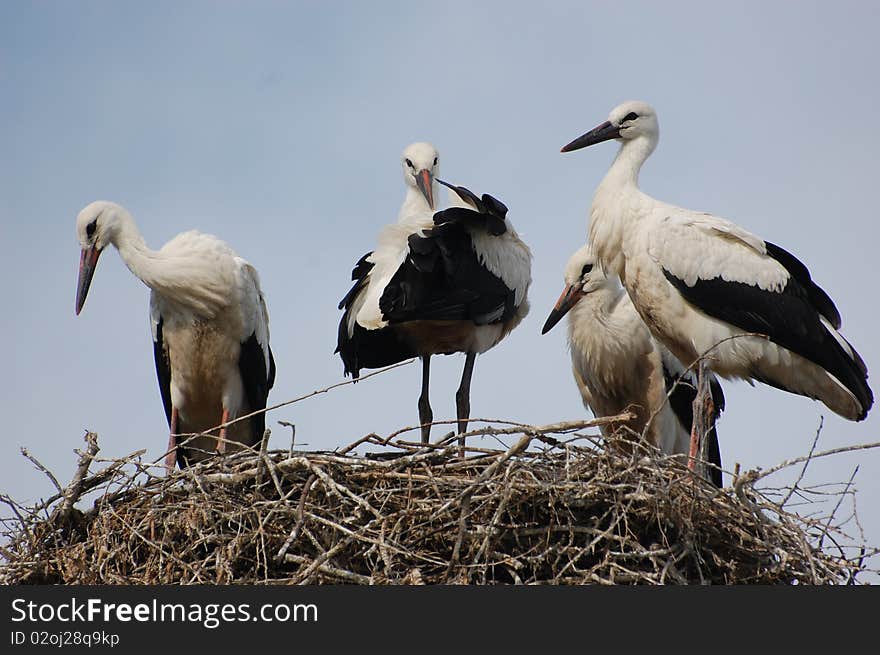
[(74, 489), (516, 428), (300, 516), (366, 438), (292, 426), (47, 472), (837, 506), (800, 477), (824, 453), (348, 576), (263, 463), (316, 392)]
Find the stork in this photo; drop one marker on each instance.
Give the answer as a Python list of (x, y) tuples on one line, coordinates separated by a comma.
[(618, 366), (438, 283), (707, 288), (210, 330)]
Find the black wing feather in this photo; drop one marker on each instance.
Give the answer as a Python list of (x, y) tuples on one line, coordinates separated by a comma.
[(370, 348), (682, 393), (271, 382), (257, 381), (442, 277), (788, 317), (366, 348), (163, 370), (713, 455), (359, 275), (818, 298)]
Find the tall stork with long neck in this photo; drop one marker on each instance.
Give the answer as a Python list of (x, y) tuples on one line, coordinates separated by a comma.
[(210, 330), (708, 288), (438, 283)]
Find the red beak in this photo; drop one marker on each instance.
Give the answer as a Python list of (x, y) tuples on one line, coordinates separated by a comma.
[(425, 182), (567, 300)]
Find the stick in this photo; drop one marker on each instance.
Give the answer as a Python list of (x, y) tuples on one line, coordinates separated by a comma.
[(300, 516), (292, 426), (74, 489), (47, 472), (263, 463), (307, 396)]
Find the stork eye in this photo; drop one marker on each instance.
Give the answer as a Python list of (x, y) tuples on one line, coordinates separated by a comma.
[(586, 269), (631, 116), (91, 227), (409, 163), (435, 161)]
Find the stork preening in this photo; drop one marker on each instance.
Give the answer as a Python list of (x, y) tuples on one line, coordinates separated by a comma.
[(437, 283), (706, 287), (210, 330), (618, 366)]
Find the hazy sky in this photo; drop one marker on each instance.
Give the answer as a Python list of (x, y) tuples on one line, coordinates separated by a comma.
[(278, 127)]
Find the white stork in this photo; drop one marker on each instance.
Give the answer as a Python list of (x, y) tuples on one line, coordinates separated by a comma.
[(705, 286), (454, 281), (618, 366), (210, 329)]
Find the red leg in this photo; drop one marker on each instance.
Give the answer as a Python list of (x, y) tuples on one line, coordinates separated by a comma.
[(702, 412), (221, 442), (695, 447), (171, 455)]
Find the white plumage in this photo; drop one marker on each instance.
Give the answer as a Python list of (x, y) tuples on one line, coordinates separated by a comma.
[(437, 283), (703, 284), (420, 162), (618, 366), (209, 323)]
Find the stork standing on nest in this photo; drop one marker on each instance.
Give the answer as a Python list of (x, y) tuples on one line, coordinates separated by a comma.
[(454, 281), (706, 287), (210, 329), (618, 366)]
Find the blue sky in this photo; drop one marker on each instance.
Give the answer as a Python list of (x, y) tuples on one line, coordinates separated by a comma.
[(278, 126)]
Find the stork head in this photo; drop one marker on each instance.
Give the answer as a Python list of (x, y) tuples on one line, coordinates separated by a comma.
[(583, 276), (629, 120), (96, 226), (421, 166)]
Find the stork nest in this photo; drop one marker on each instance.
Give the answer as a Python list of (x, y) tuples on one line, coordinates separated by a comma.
[(563, 509)]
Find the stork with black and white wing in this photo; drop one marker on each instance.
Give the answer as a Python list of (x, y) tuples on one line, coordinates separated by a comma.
[(618, 366), (438, 283), (210, 330), (705, 286)]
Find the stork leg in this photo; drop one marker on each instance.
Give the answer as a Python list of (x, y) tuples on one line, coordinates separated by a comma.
[(463, 397), (702, 412), (425, 413), (171, 454), (221, 441)]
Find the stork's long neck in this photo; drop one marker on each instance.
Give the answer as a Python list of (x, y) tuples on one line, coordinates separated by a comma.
[(628, 163), (614, 201), (415, 208), (184, 280), (141, 260)]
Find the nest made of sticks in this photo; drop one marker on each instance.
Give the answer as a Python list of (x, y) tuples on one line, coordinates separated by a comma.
[(557, 506)]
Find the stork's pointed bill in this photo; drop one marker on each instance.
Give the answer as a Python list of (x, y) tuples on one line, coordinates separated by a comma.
[(88, 260), (425, 182), (569, 298), (604, 132)]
